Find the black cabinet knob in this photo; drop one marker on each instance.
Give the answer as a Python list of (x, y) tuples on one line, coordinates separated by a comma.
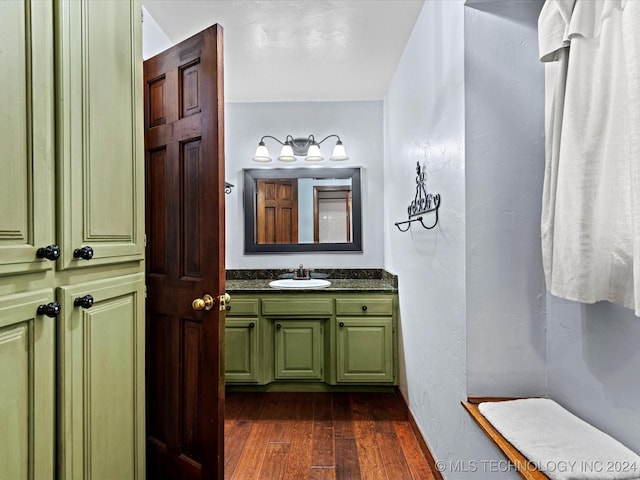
[(228, 307), (364, 308), (251, 325), (341, 324), (85, 253), (51, 310), (51, 252), (278, 326), (84, 302)]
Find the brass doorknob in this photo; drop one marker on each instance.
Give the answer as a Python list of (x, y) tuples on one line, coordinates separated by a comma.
[(204, 303)]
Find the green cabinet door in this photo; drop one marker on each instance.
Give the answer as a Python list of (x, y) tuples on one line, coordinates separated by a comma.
[(101, 380), (99, 131), (241, 349), (26, 135), (364, 350), (27, 392), (299, 349)]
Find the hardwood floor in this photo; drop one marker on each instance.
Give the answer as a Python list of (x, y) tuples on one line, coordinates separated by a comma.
[(318, 436)]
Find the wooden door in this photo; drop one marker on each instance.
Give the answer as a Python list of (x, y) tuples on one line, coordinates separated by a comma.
[(277, 210), (184, 156)]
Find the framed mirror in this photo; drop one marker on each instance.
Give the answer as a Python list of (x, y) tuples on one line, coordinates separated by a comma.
[(302, 210)]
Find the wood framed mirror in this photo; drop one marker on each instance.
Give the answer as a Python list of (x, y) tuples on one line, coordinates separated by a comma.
[(302, 210)]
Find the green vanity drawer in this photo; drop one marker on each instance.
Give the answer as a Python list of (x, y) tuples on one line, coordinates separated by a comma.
[(242, 306), (297, 306), (364, 306)]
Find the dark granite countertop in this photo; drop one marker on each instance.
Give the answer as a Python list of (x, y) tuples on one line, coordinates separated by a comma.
[(342, 280), (337, 285)]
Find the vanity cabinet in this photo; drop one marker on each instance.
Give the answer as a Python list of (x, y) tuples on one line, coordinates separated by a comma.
[(364, 340), (242, 327), (331, 338), (299, 349)]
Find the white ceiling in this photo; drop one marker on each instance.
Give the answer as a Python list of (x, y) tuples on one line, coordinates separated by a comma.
[(299, 50)]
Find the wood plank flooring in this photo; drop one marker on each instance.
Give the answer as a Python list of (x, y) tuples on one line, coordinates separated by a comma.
[(320, 436)]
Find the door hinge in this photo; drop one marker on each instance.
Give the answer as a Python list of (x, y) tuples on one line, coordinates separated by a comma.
[(144, 239)]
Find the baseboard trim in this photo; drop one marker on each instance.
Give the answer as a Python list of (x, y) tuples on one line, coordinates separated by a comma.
[(424, 447)]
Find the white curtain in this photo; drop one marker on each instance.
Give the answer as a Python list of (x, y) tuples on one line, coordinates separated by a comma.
[(591, 202)]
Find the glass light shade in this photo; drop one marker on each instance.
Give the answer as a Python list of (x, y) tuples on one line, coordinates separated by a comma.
[(286, 154), (339, 154), (314, 155), (262, 154)]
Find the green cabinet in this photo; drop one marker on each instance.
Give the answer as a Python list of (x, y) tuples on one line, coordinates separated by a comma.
[(294, 338), (26, 135), (101, 380), (72, 395), (241, 349), (27, 395), (364, 350), (299, 349), (242, 332), (99, 130)]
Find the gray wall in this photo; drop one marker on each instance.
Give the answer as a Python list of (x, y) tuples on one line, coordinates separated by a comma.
[(424, 122), (359, 125), (504, 137), (594, 365), (475, 317)]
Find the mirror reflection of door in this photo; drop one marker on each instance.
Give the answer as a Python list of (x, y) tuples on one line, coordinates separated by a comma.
[(277, 210), (332, 214)]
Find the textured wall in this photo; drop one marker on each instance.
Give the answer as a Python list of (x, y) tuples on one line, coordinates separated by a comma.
[(594, 365), (424, 122), (359, 125), (504, 136)]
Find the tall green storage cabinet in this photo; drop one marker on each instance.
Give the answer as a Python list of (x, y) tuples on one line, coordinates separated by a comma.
[(71, 240)]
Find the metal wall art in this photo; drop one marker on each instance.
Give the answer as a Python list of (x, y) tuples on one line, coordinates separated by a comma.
[(423, 203)]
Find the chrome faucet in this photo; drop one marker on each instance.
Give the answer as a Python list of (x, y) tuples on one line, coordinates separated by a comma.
[(301, 273)]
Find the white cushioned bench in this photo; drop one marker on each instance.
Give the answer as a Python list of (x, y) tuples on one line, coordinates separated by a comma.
[(545, 441)]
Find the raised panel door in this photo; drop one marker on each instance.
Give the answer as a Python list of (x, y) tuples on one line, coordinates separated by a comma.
[(101, 380), (241, 349), (100, 131), (299, 349), (26, 135), (27, 392), (184, 160), (364, 350)]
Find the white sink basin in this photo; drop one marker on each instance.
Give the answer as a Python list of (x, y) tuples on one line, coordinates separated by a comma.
[(300, 284)]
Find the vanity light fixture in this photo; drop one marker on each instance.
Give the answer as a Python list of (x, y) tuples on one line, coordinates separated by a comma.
[(293, 147)]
